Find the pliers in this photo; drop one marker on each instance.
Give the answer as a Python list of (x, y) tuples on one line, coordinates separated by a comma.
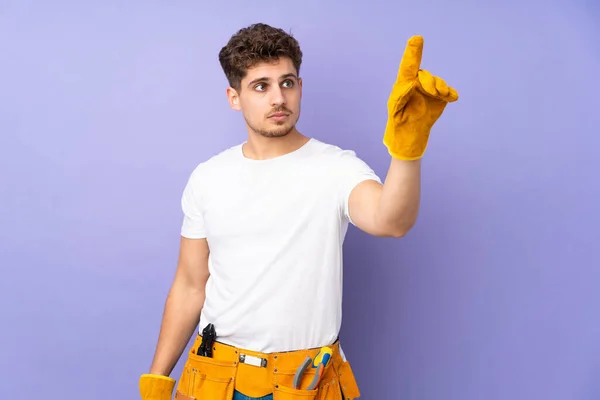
[(208, 339), (320, 362)]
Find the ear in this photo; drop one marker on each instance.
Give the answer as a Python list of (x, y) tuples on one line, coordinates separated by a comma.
[(233, 98)]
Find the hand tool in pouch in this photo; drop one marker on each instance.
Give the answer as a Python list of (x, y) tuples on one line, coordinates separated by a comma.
[(319, 363), (208, 340)]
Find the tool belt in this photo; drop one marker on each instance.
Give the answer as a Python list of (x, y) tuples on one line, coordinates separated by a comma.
[(259, 374)]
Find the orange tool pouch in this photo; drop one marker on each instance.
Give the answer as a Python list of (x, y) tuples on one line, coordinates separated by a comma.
[(259, 374)]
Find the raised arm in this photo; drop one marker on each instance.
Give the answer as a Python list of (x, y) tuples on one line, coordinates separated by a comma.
[(391, 209), (416, 102)]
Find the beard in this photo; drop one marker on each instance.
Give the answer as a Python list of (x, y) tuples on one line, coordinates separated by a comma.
[(274, 132), (280, 129)]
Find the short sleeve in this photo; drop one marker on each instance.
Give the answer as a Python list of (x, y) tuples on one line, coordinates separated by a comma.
[(353, 171), (193, 220)]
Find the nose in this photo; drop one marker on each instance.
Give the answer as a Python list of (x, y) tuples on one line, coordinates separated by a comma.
[(277, 97)]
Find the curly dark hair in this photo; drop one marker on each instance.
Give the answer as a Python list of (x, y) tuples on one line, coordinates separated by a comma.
[(253, 44)]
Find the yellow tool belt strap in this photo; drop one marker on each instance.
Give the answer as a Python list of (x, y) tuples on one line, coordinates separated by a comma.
[(258, 374)]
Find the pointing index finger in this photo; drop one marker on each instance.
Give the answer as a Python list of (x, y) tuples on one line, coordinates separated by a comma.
[(411, 60)]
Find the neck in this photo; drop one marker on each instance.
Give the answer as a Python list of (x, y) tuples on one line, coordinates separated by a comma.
[(259, 147)]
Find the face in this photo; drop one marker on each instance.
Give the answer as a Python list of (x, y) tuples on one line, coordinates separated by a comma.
[(269, 98)]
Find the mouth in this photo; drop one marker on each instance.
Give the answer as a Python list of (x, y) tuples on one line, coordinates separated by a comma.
[(278, 115)]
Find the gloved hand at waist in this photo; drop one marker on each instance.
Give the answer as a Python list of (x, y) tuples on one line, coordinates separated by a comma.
[(156, 387)]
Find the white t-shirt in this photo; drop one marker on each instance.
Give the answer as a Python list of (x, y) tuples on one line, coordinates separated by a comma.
[(275, 230)]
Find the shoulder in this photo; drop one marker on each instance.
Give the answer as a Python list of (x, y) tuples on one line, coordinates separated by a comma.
[(332, 152), (217, 162), (344, 166), (336, 157), (209, 172)]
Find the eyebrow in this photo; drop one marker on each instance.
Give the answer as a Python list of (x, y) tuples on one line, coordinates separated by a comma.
[(266, 79)]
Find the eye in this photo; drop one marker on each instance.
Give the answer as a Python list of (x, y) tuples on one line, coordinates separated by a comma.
[(289, 83), (260, 87)]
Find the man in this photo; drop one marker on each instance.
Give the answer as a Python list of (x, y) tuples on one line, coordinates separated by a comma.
[(260, 258)]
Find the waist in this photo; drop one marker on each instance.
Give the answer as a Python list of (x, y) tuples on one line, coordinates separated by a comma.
[(255, 373), (266, 329)]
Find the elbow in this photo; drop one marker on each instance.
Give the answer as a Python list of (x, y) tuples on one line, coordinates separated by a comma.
[(400, 229), (394, 227), (398, 233)]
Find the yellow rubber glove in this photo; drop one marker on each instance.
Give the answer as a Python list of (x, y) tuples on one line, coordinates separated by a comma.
[(156, 387), (415, 104)]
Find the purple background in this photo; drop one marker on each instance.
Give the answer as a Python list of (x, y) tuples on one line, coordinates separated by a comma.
[(105, 108)]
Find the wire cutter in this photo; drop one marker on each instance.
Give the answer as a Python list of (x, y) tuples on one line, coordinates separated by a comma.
[(319, 363)]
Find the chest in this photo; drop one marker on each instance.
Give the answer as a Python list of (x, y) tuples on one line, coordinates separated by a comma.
[(268, 205)]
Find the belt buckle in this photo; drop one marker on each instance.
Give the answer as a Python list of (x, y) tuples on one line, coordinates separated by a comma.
[(252, 360)]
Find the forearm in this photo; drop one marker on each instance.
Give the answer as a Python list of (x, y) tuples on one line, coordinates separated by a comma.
[(399, 203), (180, 320)]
